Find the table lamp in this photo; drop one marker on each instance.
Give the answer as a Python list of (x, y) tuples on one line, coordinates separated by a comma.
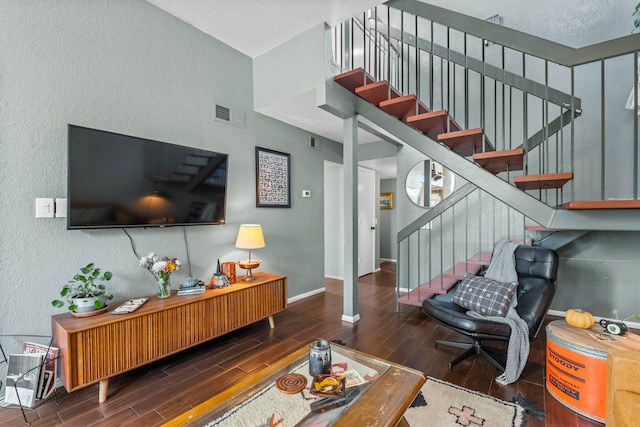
[(250, 237)]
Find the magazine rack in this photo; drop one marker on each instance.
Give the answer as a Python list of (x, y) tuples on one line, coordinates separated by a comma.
[(45, 360)]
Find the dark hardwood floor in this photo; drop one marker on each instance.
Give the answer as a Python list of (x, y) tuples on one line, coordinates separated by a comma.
[(153, 394)]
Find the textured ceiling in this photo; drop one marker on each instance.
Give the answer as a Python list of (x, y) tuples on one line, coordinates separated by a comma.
[(255, 26)]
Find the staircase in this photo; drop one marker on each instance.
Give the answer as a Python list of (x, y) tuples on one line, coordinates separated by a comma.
[(404, 96), (445, 281), (439, 125)]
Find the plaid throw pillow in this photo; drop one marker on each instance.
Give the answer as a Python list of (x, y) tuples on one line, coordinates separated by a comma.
[(484, 296)]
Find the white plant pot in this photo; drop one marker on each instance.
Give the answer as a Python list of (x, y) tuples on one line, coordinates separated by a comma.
[(84, 305)]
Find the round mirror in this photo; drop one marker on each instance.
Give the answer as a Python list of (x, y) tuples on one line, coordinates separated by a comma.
[(428, 183)]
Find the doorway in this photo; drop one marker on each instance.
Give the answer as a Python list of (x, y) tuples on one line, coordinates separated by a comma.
[(334, 224), (366, 221)]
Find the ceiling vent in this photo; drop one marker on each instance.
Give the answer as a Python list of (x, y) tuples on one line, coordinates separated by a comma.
[(233, 117)]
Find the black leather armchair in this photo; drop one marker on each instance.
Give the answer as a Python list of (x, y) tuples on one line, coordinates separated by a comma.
[(537, 269)]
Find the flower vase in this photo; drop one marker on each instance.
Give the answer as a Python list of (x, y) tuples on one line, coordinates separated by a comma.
[(164, 287)]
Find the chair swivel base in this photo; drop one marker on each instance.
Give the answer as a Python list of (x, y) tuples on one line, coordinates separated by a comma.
[(472, 349)]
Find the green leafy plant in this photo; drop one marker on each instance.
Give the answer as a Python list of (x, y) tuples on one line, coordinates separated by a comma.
[(636, 22), (86, 285), (634, 316)]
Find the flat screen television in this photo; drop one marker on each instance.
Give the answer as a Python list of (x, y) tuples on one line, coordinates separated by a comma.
[(118, 181)]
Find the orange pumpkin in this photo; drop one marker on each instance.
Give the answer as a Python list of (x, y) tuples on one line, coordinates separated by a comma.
[(579, 318)]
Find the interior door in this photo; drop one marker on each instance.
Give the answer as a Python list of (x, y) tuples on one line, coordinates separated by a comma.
[(366, 221)]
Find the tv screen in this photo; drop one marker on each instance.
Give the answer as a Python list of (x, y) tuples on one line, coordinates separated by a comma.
[(123, 181)]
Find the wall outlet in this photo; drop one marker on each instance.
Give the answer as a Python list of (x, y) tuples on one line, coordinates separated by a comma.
[(306, 193)]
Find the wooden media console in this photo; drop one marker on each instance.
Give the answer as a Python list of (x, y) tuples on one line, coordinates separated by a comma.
[(94, 349)]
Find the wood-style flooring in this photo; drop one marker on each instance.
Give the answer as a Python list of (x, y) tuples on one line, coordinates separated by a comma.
[(153, 394)]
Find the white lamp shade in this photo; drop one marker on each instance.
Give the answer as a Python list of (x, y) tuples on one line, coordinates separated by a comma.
[(250, 237)]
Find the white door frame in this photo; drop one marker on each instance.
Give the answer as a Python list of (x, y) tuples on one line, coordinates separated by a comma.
[(366, 221), (333, 227)]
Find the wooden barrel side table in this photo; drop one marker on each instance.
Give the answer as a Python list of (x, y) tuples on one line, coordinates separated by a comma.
[(576, 366)]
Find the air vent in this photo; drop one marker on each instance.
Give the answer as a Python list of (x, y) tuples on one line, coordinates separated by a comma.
[(223, 113), (314, 143), (233, 117)]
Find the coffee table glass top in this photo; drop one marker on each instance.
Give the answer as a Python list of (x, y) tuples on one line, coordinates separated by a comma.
[(378, 395)]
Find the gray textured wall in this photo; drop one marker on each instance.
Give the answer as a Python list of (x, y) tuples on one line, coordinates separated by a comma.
[(599, 272), (128, 67)]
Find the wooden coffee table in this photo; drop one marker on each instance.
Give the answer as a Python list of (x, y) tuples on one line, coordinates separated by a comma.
[(382, 401)]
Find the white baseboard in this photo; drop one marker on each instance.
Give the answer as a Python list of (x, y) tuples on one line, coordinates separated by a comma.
[(632, 325), (328, 276), (388, 260), (557, 313), (306, 295), (350, 319)]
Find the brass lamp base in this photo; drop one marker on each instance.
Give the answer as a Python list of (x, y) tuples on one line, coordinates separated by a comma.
[(249, 264)]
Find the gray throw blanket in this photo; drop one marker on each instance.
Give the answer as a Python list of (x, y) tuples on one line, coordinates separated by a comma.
[(503, 269)]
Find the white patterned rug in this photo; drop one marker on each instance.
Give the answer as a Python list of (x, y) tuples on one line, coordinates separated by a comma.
[(287, 409), (439, 403), (443, 404)]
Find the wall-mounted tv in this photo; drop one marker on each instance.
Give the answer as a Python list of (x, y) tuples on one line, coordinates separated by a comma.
[(117, 180)]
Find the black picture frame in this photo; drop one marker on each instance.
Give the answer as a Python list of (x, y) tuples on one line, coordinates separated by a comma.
[(273, 178)]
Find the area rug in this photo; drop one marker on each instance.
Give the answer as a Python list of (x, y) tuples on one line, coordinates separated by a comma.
[(269, 406), (443, 404), (439, 404)]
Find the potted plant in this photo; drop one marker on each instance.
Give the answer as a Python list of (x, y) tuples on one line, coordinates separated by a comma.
[(85, 292), (634, 316)]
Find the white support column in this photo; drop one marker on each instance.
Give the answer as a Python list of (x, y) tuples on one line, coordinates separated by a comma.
[(350, 159)]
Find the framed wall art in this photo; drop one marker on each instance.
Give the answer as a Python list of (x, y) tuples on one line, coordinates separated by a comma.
[(272, 179), (386, 200)]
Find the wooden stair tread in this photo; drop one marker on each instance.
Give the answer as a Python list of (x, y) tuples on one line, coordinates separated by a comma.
[(460, 269), (603, 204), (453, 125), (463, 142), (433, 123), (439, 284), (543, 181), (480, 259), (414, 299), (403, 107), (353, 79), (500, 161), (377, 92), (443, 283), (536, 228)]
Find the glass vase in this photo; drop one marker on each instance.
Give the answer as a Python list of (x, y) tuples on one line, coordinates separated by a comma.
[(164, 287)]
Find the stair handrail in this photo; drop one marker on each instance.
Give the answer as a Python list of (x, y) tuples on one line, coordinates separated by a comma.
[(456, 196), (559, 109), (518, 40)]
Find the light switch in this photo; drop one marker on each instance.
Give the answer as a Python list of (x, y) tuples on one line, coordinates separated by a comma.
[(61, 208), (44, 207)]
